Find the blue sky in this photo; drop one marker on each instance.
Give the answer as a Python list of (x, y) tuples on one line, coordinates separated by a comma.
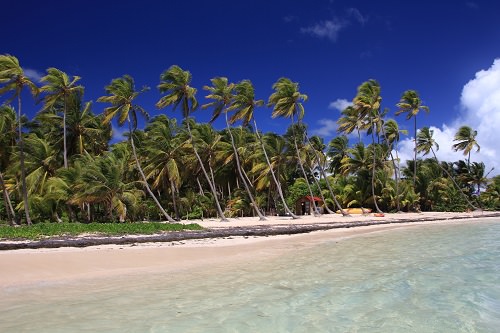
[(329, 47)]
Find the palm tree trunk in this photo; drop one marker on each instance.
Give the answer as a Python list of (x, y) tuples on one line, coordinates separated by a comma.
[(212, 186), (64, 134), (8, 204), (146, 185), (238, 166), (396, 171), (305, 175), (276, 182), (373, 172), (24, 191), (322, 171), (453, 180), (174, 202), (415, 156)]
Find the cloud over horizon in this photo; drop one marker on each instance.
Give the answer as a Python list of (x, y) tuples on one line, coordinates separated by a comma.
[(480, 109)]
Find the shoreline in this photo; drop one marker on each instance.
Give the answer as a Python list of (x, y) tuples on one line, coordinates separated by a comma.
[(247, 226), (32, 267)]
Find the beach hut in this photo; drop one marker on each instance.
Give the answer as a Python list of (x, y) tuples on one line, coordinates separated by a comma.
[(304, 206)]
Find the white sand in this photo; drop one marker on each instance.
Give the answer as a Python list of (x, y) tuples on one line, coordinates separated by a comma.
[(26, 267)]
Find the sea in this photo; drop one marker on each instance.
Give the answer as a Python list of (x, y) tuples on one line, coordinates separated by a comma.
[(428, 278)]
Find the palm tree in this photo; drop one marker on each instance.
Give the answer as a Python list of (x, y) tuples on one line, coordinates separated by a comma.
[(175, 83), (337, 151), (12, 78), (411, 104), (425, 144), (221, 92), (367, 103), (244, 104), (60, 87), (466, 138), (391, 138), (122, 95), (350, 122), (7, 141), (163, 155)]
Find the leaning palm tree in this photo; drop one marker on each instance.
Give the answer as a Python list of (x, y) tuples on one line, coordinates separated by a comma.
[(122, 95), (59, 88), (221, 92), (12, 78), (466, 138), (411, 104), (244, 104), (175, 83), (425, 144), (287, 103)]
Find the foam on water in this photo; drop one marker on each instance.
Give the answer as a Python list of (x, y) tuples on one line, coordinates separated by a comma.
[(439, 278)]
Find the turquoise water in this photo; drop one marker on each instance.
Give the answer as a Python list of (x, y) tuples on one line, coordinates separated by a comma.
[(440, 278)]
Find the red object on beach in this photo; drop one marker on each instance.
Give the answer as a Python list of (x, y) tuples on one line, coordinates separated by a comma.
[(378, 215)]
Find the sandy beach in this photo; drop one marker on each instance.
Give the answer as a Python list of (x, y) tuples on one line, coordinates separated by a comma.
[(52, 265)]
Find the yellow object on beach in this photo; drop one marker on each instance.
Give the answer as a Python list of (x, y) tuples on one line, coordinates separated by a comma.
[(356, 210)]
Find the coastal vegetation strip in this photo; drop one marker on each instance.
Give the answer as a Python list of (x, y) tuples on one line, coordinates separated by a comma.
[(43, 230), (194, 231)]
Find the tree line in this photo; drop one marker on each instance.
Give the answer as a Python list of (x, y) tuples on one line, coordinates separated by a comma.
[(61, 165)]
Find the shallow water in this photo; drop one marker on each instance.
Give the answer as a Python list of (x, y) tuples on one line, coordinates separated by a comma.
[(438, 278)]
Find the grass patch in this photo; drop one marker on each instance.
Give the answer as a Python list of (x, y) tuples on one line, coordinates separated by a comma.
[(43, 230)]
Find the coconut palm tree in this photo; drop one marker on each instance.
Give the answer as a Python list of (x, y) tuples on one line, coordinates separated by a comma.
[(287, 103), (425, 144), (466, 138), (175, 83), (221, 92), (350, 122), (367, 103), (7, 141), (391, 138), (163, 150), (12, 78), (243, 104), (59, 88), (411, 104), (122, 94)]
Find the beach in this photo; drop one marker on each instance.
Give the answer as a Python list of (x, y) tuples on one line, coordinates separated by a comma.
[(26, 267)]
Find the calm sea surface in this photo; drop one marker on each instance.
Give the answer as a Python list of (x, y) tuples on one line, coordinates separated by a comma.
[(440, 278)]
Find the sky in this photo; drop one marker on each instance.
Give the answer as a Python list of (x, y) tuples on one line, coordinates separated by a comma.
[(447, 50)]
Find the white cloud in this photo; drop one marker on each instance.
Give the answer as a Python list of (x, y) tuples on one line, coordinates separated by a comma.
[(480, 103), (339, 104), (354, 12), (326, 29), (327, 128), (33, 74), (118, 134)]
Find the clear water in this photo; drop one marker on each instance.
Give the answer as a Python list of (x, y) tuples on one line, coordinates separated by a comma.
[(441, 278)]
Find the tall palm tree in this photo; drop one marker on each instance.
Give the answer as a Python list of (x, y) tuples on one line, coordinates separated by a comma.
[(59, 88), (287, 103), (12, 78), (122, 94), (367, 102), (391, 139), (425, 144), (221, 92), (175, 83), (350, 122), (466, 138), (7, 141), (411, 104), (244, 104)]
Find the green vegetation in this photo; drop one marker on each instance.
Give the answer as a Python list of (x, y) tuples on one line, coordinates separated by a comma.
[(43, 230), (62, 166)]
